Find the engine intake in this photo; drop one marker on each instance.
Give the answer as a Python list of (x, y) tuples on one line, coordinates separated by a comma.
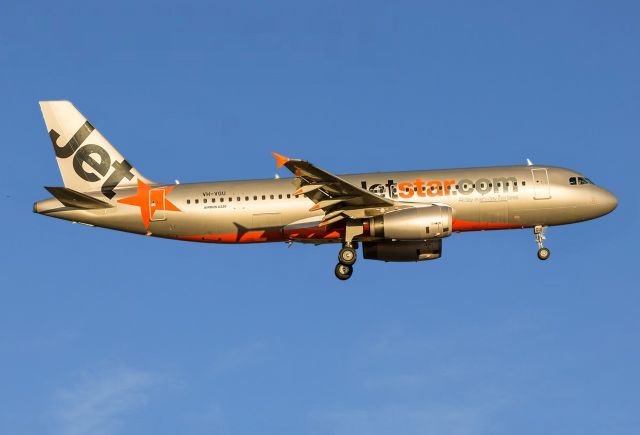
[(418, 223), (388, 250)]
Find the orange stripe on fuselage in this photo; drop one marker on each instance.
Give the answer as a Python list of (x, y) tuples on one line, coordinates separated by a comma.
[(262, 236), (248, 237)]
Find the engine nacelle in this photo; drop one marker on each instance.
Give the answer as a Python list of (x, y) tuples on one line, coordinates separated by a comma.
[(418, 223), (388, 250)]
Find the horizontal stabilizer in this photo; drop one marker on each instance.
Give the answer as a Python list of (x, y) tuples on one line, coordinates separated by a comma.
[(71, 198)]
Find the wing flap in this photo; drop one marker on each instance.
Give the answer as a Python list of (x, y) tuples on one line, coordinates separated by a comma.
[(328, 203), (329, 192)]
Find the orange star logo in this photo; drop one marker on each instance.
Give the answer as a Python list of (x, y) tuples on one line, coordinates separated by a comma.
[(150, 199)]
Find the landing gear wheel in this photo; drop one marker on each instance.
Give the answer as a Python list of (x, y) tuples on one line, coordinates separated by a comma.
[(543, 253), (343, 271), (347, 256)]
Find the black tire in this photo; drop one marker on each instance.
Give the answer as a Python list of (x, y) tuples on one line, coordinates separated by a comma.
[(343, 271), (544, 253), (347, 256)]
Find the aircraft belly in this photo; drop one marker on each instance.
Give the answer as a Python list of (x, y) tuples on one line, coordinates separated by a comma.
[(111, 218), (493, 212), (545, 215), (243, 224)]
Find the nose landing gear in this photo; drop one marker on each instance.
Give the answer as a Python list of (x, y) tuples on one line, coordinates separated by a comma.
[(543, 253), (346, 258)]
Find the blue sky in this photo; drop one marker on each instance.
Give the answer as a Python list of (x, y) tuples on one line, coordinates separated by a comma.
[(109, 333)]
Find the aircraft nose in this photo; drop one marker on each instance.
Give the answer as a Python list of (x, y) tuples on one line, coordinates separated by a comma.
[(606, 201)]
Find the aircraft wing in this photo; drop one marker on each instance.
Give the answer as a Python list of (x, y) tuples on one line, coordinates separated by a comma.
[(331, 193)]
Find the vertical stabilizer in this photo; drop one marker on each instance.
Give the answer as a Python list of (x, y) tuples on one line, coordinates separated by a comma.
[(87, 161)]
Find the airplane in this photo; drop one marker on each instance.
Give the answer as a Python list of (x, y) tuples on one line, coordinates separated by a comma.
[(395, 216)]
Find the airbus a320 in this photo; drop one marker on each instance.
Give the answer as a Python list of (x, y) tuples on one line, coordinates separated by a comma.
[(395, 216)]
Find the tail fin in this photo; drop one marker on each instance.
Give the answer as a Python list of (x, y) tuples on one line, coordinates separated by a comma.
[(87, 161)]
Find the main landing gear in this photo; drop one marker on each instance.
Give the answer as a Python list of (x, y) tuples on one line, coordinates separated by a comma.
[(543, 253), (346, 257)]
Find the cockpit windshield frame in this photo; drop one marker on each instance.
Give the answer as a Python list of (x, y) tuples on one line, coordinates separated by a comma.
[(574, 181)]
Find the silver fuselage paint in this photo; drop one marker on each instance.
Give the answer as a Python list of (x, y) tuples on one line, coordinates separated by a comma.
[(485, 198)]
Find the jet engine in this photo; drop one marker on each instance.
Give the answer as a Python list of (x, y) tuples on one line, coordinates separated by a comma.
[(388, 250), (418, 223)]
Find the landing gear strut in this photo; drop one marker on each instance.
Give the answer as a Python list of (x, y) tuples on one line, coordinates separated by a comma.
[(347, 255), (346, 258), (543, 253)]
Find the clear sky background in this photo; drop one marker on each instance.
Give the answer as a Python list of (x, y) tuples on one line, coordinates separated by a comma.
[(110, 333)]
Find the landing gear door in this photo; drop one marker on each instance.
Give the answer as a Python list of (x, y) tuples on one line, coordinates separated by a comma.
[(156, 205), (540, 183)]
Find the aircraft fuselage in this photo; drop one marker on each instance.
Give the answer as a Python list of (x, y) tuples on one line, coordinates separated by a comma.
[(250, 211)]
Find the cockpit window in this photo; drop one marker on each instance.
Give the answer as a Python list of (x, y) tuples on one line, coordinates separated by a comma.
[(579, 180)]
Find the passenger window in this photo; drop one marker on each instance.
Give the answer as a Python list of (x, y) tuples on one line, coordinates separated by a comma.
[(230, 198), (197, 201), (246, 198), (221, 199), (255, 197), (204, 200), (279, 196), (264, 197), (523, 183), (288, 195), (238, 198), (572, 181), (213, 200), (271, 196), (188, 201)]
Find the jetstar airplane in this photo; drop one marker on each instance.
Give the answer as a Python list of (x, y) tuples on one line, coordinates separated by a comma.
[(396, 216)]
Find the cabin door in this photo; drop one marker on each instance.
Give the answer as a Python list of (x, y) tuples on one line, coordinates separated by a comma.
[(156, 205), (540, 183)]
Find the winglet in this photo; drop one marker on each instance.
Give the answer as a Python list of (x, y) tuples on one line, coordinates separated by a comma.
[(280, 160)]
